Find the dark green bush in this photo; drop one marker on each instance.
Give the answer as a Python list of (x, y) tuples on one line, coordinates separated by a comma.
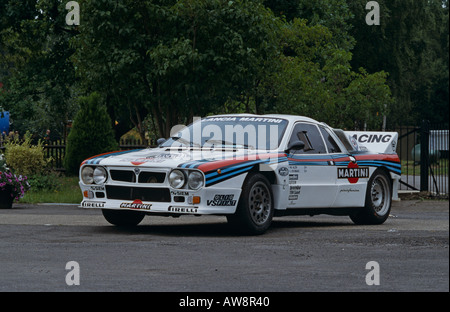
[(49, 181), (91, 133)]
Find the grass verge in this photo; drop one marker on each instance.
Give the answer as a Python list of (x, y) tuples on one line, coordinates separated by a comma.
[(67, 191)]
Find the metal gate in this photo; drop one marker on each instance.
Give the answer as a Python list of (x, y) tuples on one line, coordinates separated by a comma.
[(424, 154)]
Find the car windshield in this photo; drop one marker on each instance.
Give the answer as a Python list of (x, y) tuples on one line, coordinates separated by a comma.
[(262, 133)]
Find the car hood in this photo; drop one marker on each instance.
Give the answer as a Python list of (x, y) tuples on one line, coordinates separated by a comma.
[(203, 159)]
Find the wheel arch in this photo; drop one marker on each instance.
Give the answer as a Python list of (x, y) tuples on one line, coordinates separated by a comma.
[(266, 171), (388, 173)]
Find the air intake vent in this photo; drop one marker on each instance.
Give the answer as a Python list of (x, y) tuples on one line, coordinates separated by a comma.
[(142, 193)]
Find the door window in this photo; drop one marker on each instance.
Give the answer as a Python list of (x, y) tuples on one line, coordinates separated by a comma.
[(332, 146), (310, 135)]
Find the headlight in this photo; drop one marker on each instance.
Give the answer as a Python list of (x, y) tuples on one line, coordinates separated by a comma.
[(87, 175), (195, 180), (100, 175), (177, 179)]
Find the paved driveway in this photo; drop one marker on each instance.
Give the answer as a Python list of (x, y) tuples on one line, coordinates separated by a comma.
[(200, 254)]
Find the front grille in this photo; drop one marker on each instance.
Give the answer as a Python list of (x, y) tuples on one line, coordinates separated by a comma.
[(123, 175), (152, 177), (142, 193), (143, 177)]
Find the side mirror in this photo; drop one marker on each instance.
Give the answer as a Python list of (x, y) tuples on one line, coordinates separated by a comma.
[(160, 141), (296, 145)]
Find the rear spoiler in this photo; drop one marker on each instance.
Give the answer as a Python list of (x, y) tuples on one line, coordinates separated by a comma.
[(369, 141)]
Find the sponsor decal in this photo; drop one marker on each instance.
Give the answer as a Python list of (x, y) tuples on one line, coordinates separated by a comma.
[(293, 177), (259, 119), (283, 171), (156, 158), (179, 193), (97, 188), (183, 209), (373, 138), (354, 142), (137, 204), (294, 192), (222, 200), (87, 204), (138, 162), (248, 119), (353, 173), (295, 189), (349, 190)]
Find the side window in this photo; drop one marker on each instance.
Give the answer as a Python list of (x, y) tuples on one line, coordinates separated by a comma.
[(329, 141), (309, 134)]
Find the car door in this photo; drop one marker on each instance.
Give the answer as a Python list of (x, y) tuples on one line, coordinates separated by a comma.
[(350, 190), (312, 177)]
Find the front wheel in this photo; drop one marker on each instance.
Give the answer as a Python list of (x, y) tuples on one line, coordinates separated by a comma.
[(255, 209), (378, 200), (123, 217)]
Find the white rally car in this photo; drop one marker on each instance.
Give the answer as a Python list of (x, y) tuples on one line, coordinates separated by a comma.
[(248, 168)]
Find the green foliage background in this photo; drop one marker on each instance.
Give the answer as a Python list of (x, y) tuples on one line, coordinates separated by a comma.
[(158, 63)]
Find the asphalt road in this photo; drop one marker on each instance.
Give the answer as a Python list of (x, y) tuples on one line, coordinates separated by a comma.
[(200, 254)]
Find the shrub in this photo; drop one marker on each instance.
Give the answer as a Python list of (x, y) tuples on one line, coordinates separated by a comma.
[(50, 181), (24, 158), (91, 133)]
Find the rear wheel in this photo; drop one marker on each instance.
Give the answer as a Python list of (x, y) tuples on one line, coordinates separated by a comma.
[(255, 209), (123, 217), (378, 200)]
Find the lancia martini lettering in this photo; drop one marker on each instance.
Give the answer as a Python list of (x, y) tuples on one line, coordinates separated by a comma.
[(250, 169)]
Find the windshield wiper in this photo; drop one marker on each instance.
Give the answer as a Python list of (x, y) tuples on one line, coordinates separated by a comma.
[(185, 142), (223, 142)]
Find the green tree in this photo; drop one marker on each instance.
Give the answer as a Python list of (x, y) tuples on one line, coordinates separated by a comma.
[(91, 133), (38, 77), (287, 8), (172, 59), (411, 44), (316, 79)]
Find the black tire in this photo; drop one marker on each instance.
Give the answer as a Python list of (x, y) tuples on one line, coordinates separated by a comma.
[(126, 218), (378, 200), (255, 208)]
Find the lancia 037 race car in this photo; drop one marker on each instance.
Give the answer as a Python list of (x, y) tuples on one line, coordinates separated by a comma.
[(248, 168)]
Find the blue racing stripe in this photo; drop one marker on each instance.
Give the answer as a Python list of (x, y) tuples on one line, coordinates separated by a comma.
[(390, 166), (246, 164), (97, 160), (234, 173), (214, 177)]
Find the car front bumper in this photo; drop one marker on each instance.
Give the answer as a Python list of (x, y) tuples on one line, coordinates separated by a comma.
[(163, 200)]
